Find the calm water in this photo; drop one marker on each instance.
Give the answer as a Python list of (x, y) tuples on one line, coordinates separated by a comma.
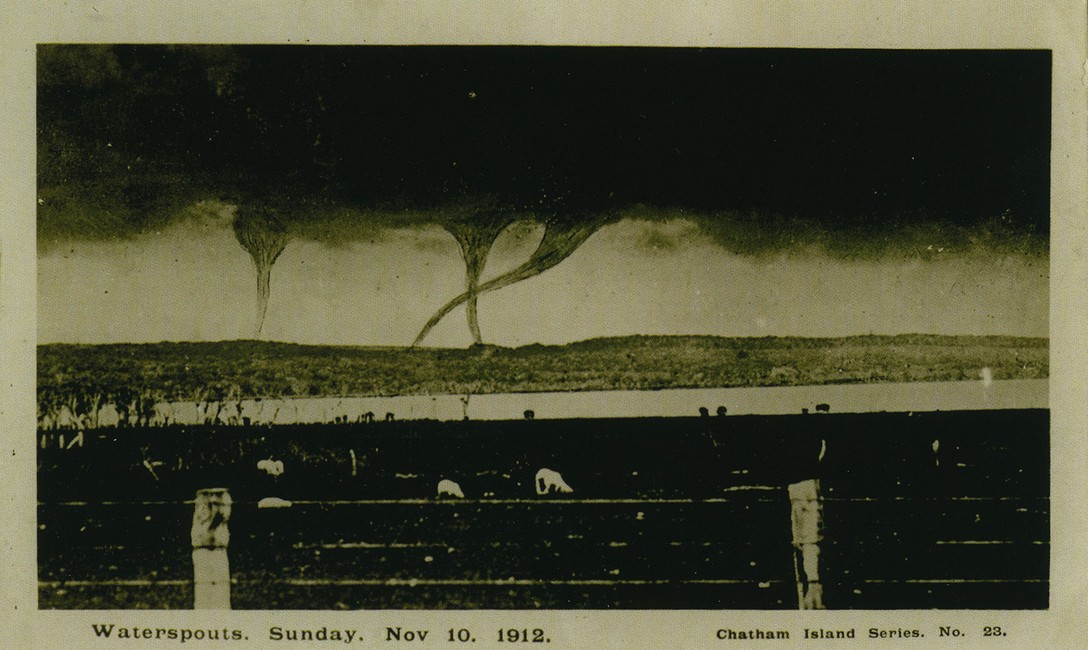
[(855, 398)]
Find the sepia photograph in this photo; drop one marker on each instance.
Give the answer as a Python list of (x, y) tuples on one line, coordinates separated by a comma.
[(609, 324), (494, 327)]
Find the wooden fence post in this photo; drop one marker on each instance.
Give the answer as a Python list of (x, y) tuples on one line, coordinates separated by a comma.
[(806, 517), (210, 535)]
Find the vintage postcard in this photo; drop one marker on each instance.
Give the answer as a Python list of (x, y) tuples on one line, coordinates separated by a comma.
[(718, 327)]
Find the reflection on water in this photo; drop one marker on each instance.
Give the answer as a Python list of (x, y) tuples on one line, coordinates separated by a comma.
[(846, 398)]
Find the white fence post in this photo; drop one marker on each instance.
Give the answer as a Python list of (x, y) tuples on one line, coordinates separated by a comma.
[(806, 517), (210, 535)]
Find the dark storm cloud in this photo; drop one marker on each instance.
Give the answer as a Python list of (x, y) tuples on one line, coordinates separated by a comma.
[(769, 235), (857, 152), (655, 240)]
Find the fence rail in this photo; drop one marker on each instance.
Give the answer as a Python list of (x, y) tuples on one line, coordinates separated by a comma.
[(692, 513)]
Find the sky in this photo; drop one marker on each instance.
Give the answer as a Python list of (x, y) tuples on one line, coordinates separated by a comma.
[(729, 192)]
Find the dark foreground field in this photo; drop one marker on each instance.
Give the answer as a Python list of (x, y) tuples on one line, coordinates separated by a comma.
[(666, 513), (252, 369)]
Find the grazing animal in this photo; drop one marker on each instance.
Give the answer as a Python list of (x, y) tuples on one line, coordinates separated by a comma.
[(823, 408), (273, 502), (704, 411), (722, 410), (368, 416), (550, 481), (529, 414), (270, 467), (389, 417), (448, 488)]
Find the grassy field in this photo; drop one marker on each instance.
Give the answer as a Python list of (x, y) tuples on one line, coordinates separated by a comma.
[(252, 369), (669, 513)]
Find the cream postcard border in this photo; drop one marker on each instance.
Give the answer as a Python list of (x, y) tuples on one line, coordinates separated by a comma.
[(1058, 25)]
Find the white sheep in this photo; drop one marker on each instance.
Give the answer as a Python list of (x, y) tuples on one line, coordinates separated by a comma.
[(448, 488), (549, 481), (273, 502), (270, 467)]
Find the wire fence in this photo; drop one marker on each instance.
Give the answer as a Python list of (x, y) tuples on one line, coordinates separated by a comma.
[(930, 514)]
